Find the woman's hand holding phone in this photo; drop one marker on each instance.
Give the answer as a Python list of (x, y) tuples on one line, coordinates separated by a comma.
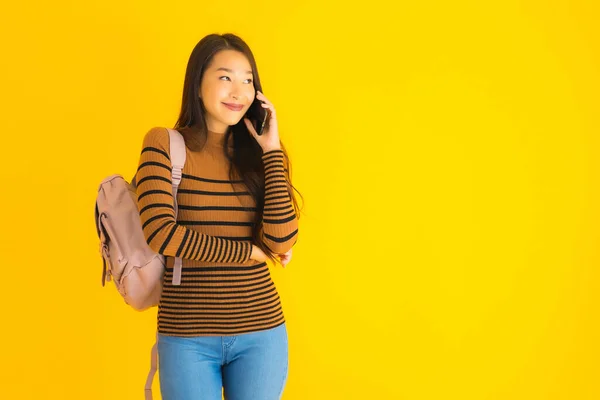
[(269, 138)]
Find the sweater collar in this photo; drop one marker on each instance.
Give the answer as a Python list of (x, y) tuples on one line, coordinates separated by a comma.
[(217, 139)]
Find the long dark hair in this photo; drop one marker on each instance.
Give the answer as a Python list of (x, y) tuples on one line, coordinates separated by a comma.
[(246, 157)]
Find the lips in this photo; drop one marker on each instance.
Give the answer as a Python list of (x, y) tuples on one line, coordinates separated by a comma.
[(234, 107)]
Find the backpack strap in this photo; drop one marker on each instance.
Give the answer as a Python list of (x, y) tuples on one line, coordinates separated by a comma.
[(153, 368), (177, 150)]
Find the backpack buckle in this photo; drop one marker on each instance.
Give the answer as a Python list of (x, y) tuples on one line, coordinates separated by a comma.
[(176, 174)]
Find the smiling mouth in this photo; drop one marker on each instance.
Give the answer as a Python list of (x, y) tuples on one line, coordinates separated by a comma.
[(234, 107)]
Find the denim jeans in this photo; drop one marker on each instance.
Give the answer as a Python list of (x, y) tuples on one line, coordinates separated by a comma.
[(249, 366)]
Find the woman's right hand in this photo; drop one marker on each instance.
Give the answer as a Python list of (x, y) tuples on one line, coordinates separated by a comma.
[(257, 254)]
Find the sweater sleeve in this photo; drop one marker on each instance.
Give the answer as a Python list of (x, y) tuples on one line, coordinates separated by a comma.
[(157, 212), (280, 222)]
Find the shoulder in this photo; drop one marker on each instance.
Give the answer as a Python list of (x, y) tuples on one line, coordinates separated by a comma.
[(157, 136)]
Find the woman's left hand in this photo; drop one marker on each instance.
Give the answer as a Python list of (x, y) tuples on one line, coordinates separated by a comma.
[(269, 140), (285, 258)]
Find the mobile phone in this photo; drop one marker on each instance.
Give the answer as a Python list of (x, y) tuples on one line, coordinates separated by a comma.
[(259, 116)]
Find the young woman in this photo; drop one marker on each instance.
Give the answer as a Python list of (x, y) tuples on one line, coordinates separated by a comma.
[(222, 328)]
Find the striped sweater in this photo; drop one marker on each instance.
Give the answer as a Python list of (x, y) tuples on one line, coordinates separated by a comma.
[(222, 291)]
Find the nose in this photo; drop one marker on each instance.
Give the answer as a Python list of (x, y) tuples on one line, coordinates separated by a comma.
[(237, 96), (239, 91)]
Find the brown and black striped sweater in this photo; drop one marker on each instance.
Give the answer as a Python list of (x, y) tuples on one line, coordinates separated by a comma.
[(222, 291)]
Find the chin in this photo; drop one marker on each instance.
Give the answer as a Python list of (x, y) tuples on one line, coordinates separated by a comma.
[(232, 122)]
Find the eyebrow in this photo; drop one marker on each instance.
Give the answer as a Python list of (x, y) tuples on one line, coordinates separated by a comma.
[(230, 71)]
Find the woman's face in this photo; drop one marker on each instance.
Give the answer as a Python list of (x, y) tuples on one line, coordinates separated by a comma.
[(228, 80)]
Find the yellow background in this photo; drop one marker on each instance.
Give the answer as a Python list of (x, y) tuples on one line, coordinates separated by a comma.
[(447, 152)]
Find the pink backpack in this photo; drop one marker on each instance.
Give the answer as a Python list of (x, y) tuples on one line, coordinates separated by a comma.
[(135, 268)]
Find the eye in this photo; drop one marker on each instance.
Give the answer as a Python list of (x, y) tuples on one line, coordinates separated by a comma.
[(225, 76)]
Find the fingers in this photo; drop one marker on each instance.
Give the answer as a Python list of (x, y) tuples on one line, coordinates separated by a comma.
[(285, 258), (266, 103), (262, 98), (271, 109)]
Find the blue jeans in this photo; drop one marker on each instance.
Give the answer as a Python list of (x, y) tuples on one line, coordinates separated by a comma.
[(249, 366)]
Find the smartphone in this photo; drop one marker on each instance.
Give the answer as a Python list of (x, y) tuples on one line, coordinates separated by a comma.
[(259, 116)]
